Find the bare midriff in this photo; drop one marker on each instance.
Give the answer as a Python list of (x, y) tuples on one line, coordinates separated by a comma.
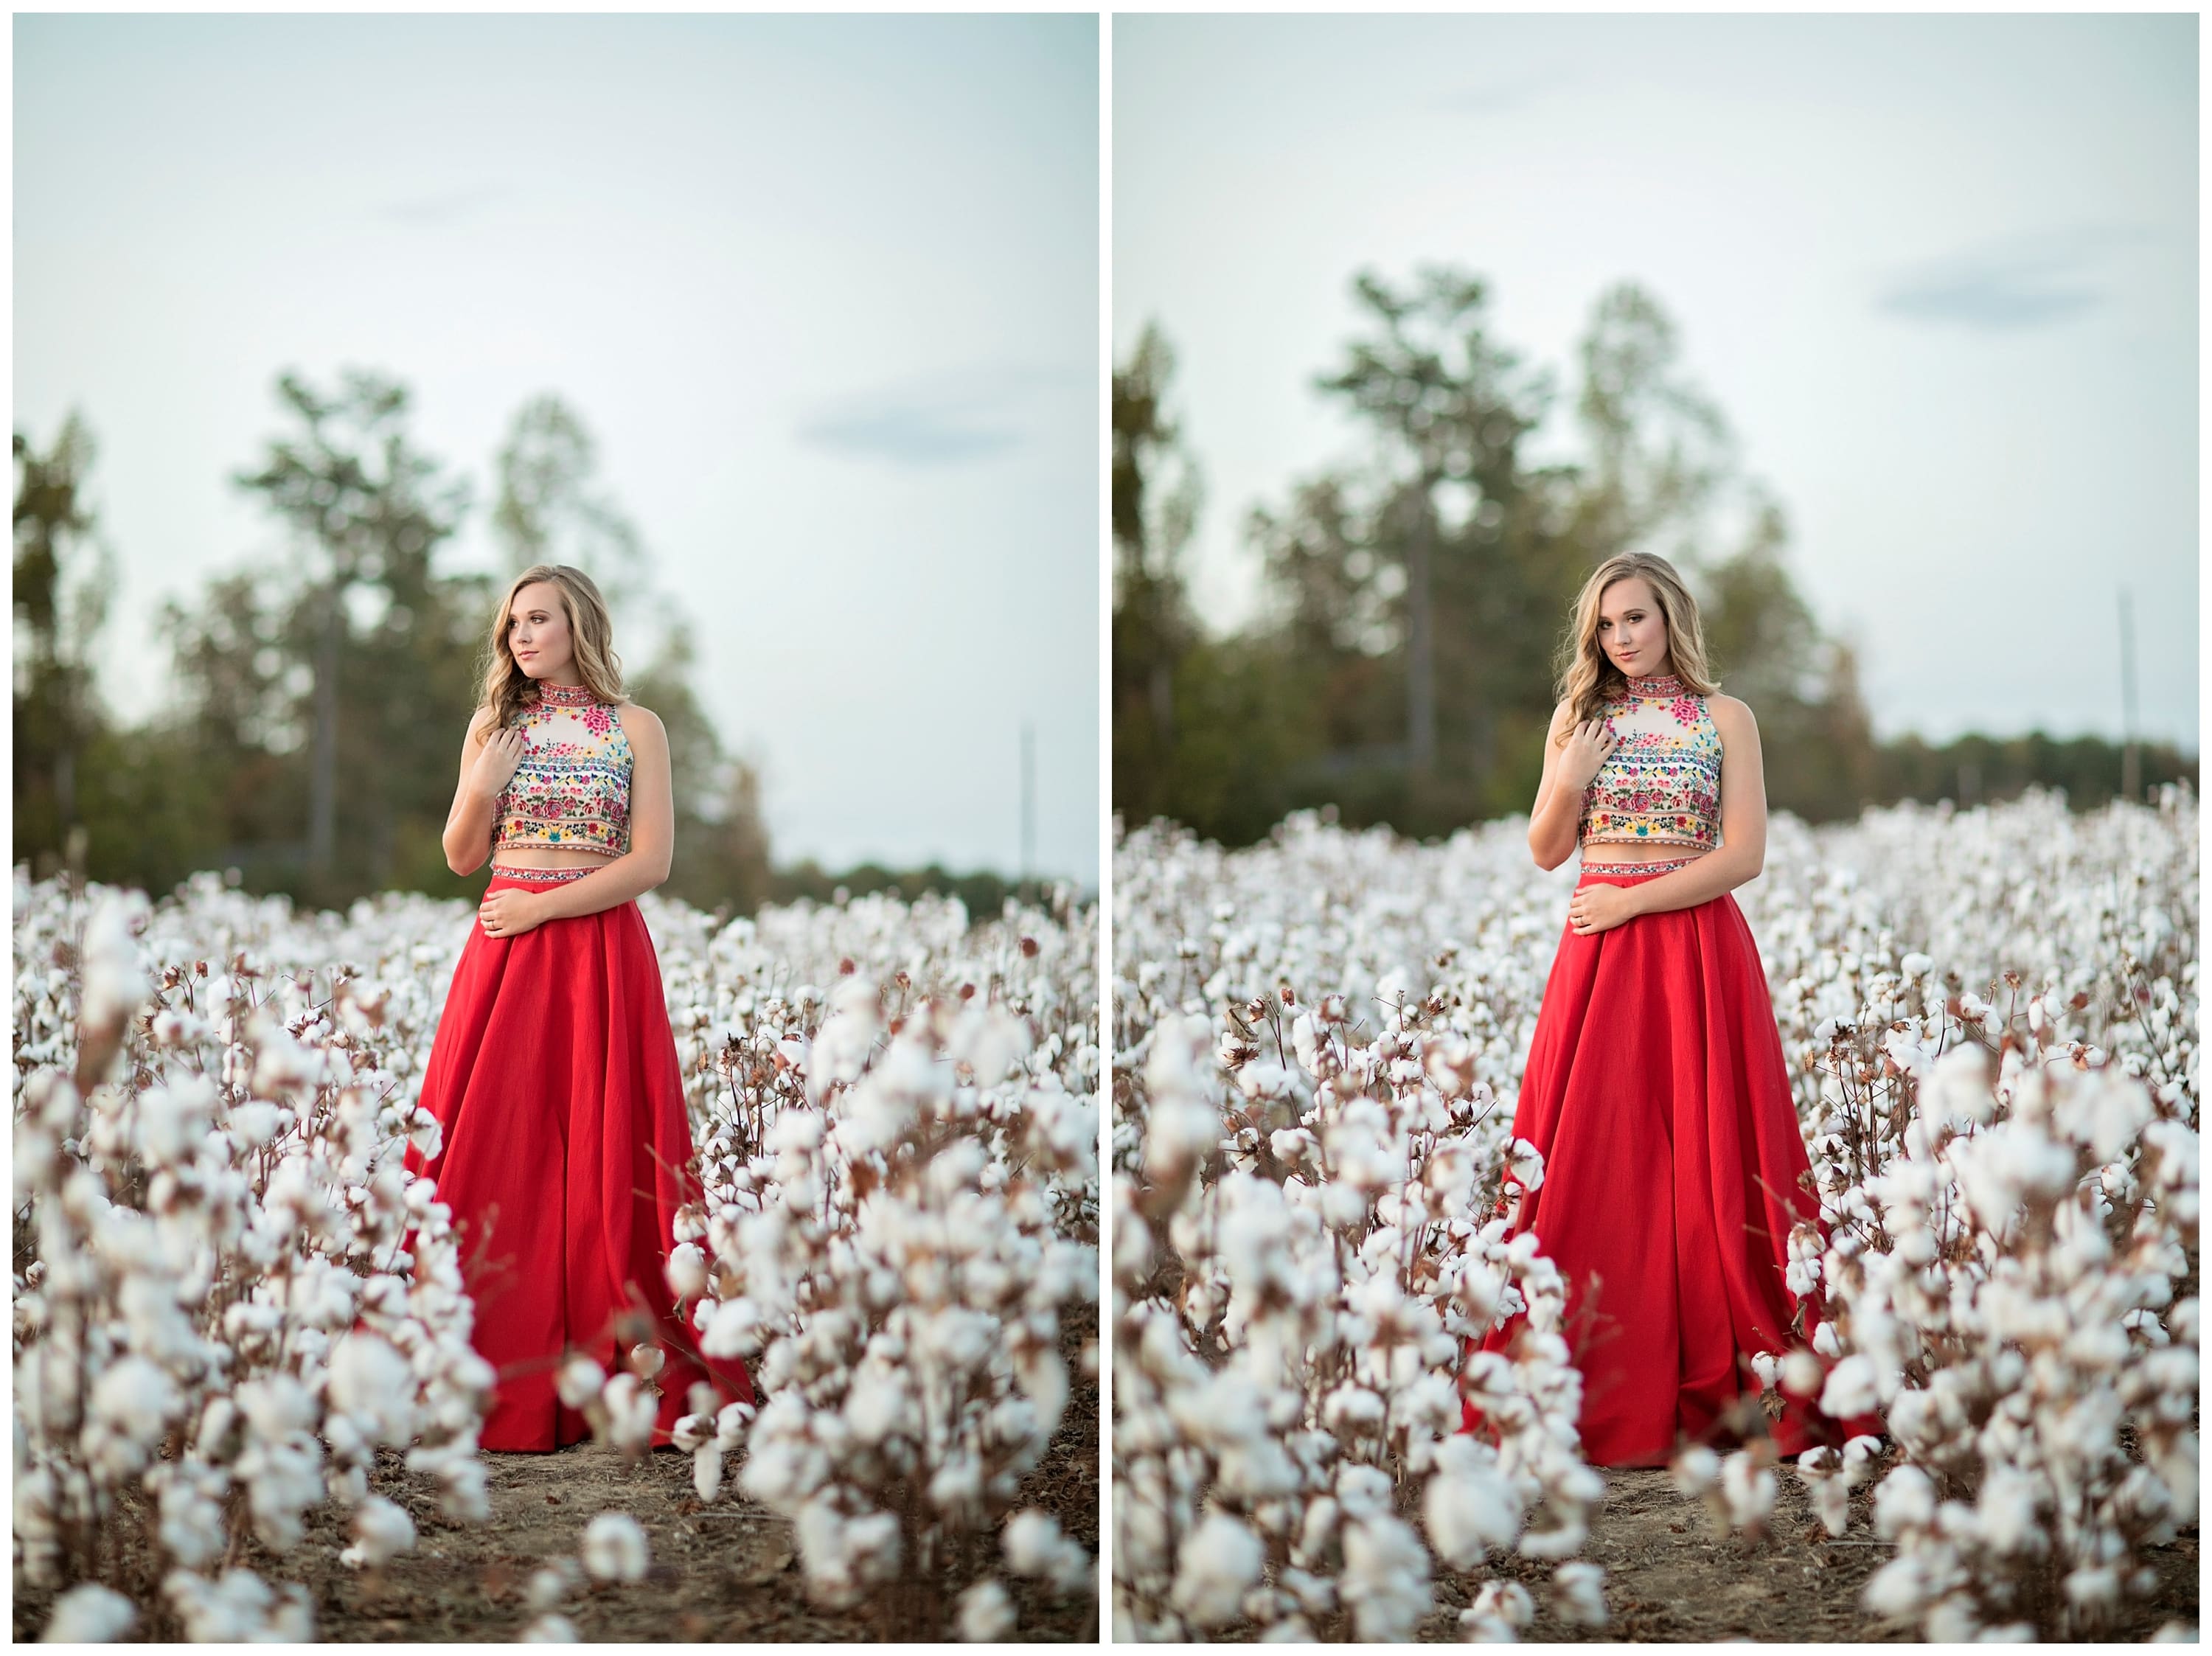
[(544, 857), (1638, 850)]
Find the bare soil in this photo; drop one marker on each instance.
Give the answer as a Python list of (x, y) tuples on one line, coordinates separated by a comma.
[(1669, 1578), (724, 1571)]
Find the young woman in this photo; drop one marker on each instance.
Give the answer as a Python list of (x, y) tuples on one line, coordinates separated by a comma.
[(553, 1070), (1655, 1087)]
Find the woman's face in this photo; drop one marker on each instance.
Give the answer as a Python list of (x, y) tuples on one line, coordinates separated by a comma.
[(537, 632), (1630, 628)]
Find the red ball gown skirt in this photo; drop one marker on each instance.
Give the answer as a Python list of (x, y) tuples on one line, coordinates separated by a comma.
[(554, 1074), (1673, 1168)]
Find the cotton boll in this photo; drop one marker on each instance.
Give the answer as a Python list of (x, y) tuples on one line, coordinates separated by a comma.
[(1578, 1594), (551, 1629), (1505, 1601), (692, 1429), (687, 1271), (381, 1531), (549, 1586), (1800, 1375), (374, 1386), (1899, 1588), (1385, 1582), (132, 1403), (732, 1422), (1032, 1542), (1697, 1469), (1219, 1559), (462, 1496), (1749, 1491), (1904, 1500), (89, 1614), (1850, 1389), (736, 1331), (578, 1381), (1831, 1503), (985, 1614), (1468, 1506), (614, 1548), (631, 1412), (174, 1119)]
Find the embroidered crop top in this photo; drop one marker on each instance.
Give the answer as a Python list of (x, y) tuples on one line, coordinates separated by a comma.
[(1661, 782), (571, 791)]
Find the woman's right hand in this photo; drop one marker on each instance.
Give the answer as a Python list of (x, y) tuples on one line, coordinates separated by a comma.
[(1586, 752), (496, 764)]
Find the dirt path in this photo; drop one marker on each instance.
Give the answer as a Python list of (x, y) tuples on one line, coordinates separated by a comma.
[(1669, 1577), (722, 1572)]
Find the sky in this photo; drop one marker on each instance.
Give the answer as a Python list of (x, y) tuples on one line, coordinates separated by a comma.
[(824, 290), (1938, 273)]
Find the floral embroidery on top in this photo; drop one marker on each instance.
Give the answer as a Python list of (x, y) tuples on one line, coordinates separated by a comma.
[(572, 789), (1661, 782)]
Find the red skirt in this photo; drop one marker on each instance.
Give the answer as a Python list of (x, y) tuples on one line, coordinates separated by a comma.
[(564, 1159), (1656, 1091)]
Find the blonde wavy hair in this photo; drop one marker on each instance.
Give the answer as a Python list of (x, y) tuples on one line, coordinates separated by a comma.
[(1587, 678), (508, 690)]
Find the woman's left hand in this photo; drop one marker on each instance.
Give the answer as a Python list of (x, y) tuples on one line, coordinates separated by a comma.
[(508, 912), (1598, 907)]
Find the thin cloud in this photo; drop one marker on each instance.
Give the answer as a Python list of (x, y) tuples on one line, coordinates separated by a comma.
[(938, 423), (449, 207), (1495, 97), (2024, 283), (910, 434)]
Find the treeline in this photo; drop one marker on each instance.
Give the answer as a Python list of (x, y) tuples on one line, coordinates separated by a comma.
[(311, 735), (1399, 666), (984, 894)]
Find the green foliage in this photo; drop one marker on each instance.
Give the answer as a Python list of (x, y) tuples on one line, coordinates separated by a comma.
[(1401, 668), (1156, 497), (313, 742), (1980, 770), (983, 894), (65, 580), (721, 852)]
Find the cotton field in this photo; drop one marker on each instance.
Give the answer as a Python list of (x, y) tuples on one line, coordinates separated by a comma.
[(1991, 1019), (229, 1296)]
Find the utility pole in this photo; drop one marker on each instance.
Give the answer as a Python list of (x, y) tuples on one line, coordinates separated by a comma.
[(2130, 759), (1029, 800)]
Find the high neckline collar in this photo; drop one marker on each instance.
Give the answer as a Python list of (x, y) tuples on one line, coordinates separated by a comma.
[(1658, 685), (565, 695)]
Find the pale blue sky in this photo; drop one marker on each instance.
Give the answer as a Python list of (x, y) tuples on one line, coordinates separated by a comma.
[(1939, 272), (825, 290)]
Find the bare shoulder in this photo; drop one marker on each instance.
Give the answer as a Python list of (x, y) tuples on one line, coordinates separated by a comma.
[(1732, 717), (639, 721), (1562, 716)]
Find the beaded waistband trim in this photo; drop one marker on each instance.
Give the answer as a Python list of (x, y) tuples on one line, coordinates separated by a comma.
[(1666, 866), (553, 874)]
